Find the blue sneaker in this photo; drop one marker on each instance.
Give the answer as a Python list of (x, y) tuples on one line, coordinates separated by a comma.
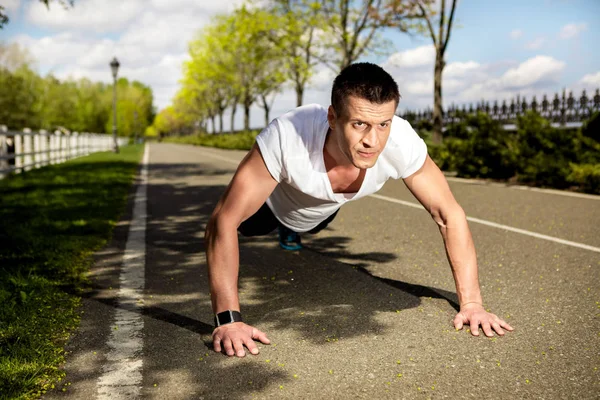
[(288, 239)]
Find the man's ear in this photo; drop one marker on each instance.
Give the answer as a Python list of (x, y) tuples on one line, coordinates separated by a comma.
[(331, 117)]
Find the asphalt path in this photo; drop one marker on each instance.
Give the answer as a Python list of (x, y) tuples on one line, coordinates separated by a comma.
[(364, 311)]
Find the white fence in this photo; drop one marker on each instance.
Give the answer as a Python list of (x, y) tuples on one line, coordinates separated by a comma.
[(22, 151)]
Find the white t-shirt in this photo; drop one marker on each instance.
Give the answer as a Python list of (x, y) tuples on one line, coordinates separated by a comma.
[(292, 147)]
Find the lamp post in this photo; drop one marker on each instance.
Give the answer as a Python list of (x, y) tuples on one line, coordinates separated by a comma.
[(114, 66)]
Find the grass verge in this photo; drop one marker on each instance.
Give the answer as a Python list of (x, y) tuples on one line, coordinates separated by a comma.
[(51, 221), (236, 141)]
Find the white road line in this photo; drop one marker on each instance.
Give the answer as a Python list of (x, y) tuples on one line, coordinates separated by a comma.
[(122, 375), (482, 221), (499, 226), (521, 187)]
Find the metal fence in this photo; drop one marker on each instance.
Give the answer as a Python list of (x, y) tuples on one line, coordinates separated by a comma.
[(22, 151), (562, 111)]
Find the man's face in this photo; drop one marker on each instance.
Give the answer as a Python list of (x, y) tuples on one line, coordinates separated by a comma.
[(362, 131)]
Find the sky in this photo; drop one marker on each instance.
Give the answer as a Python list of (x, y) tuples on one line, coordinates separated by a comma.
[(497, 49)]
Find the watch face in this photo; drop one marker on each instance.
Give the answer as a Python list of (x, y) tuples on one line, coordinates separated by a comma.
[(225, 318)]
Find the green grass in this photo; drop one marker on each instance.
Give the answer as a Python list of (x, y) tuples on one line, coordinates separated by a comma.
[(51, 221), (237, 141)]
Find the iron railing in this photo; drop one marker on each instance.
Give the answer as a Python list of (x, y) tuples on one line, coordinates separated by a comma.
[(562, 111)]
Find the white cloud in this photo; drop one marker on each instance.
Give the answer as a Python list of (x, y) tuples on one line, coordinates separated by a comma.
[(149, 38), (469, 81), (516, 34), (571, 30), (103, 16), (418, 57), (322, 79), (591, 79), (117, 15), (11, 5), (536, 69), (536, 44), (63, 50), (461, 69)]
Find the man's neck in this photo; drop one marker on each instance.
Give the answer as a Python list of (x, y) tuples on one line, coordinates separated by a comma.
[(332, 155)]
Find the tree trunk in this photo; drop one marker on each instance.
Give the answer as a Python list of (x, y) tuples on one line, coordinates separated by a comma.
[(214, 125), (231, 129), (265, 105), (437, 99), (299, 94), (221, 121), (246, 116)]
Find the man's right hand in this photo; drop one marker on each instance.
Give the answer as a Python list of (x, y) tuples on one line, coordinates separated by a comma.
[(235, 336)]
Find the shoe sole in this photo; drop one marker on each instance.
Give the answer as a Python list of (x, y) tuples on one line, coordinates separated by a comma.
[(287, 247)]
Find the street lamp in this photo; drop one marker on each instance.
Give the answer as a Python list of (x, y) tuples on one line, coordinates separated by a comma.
[(114, 66)]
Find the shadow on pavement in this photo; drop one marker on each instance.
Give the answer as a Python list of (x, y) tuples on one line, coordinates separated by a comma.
[(311, 295)]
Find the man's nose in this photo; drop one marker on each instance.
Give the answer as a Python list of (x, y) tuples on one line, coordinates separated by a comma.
[(370, 139)]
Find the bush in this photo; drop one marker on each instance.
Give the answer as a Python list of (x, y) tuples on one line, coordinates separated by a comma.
[(591, 128), (586, 148), (237, 141), (478, 147), (544, 152), (586, 176), (536, 153)]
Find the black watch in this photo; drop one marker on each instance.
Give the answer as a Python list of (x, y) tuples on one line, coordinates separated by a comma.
[(227, 317)]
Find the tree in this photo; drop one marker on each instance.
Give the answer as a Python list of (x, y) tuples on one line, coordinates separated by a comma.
[(167, 122), (14, 57), (19, 101), (4, 18), (211, 71), (440, 41), (354, 27), (134, 108), (257, 61), (232, 61), (300, 22), (28, 100)]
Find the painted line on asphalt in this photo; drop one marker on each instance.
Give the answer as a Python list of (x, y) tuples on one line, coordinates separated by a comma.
[(521, 187), (122, 375), (499, 226), (477, 220), (464, 180)]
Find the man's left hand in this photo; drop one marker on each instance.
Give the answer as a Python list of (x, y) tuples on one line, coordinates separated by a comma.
[(474, 314)]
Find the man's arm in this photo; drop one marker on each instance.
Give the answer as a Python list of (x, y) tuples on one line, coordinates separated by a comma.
[(248, 190), (430, 187)]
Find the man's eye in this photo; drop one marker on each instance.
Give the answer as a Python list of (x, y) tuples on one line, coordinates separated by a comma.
[(359, 124), (384, 124)]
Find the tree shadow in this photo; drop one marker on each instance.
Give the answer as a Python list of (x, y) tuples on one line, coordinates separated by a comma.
[(316, 295), (313, 295)]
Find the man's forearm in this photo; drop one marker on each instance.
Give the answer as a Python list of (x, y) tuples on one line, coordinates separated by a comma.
[(222, 255), (460, 251)]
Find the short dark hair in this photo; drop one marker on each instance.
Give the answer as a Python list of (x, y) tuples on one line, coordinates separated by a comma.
[(364, 80)]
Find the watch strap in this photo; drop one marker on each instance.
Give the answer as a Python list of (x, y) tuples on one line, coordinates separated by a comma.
[(227, 317)]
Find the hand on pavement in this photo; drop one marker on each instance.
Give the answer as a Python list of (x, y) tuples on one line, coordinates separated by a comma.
[(235, 336), (474, 314)]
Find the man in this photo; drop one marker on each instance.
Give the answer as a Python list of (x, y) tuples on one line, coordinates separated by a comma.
[(305, 165)]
